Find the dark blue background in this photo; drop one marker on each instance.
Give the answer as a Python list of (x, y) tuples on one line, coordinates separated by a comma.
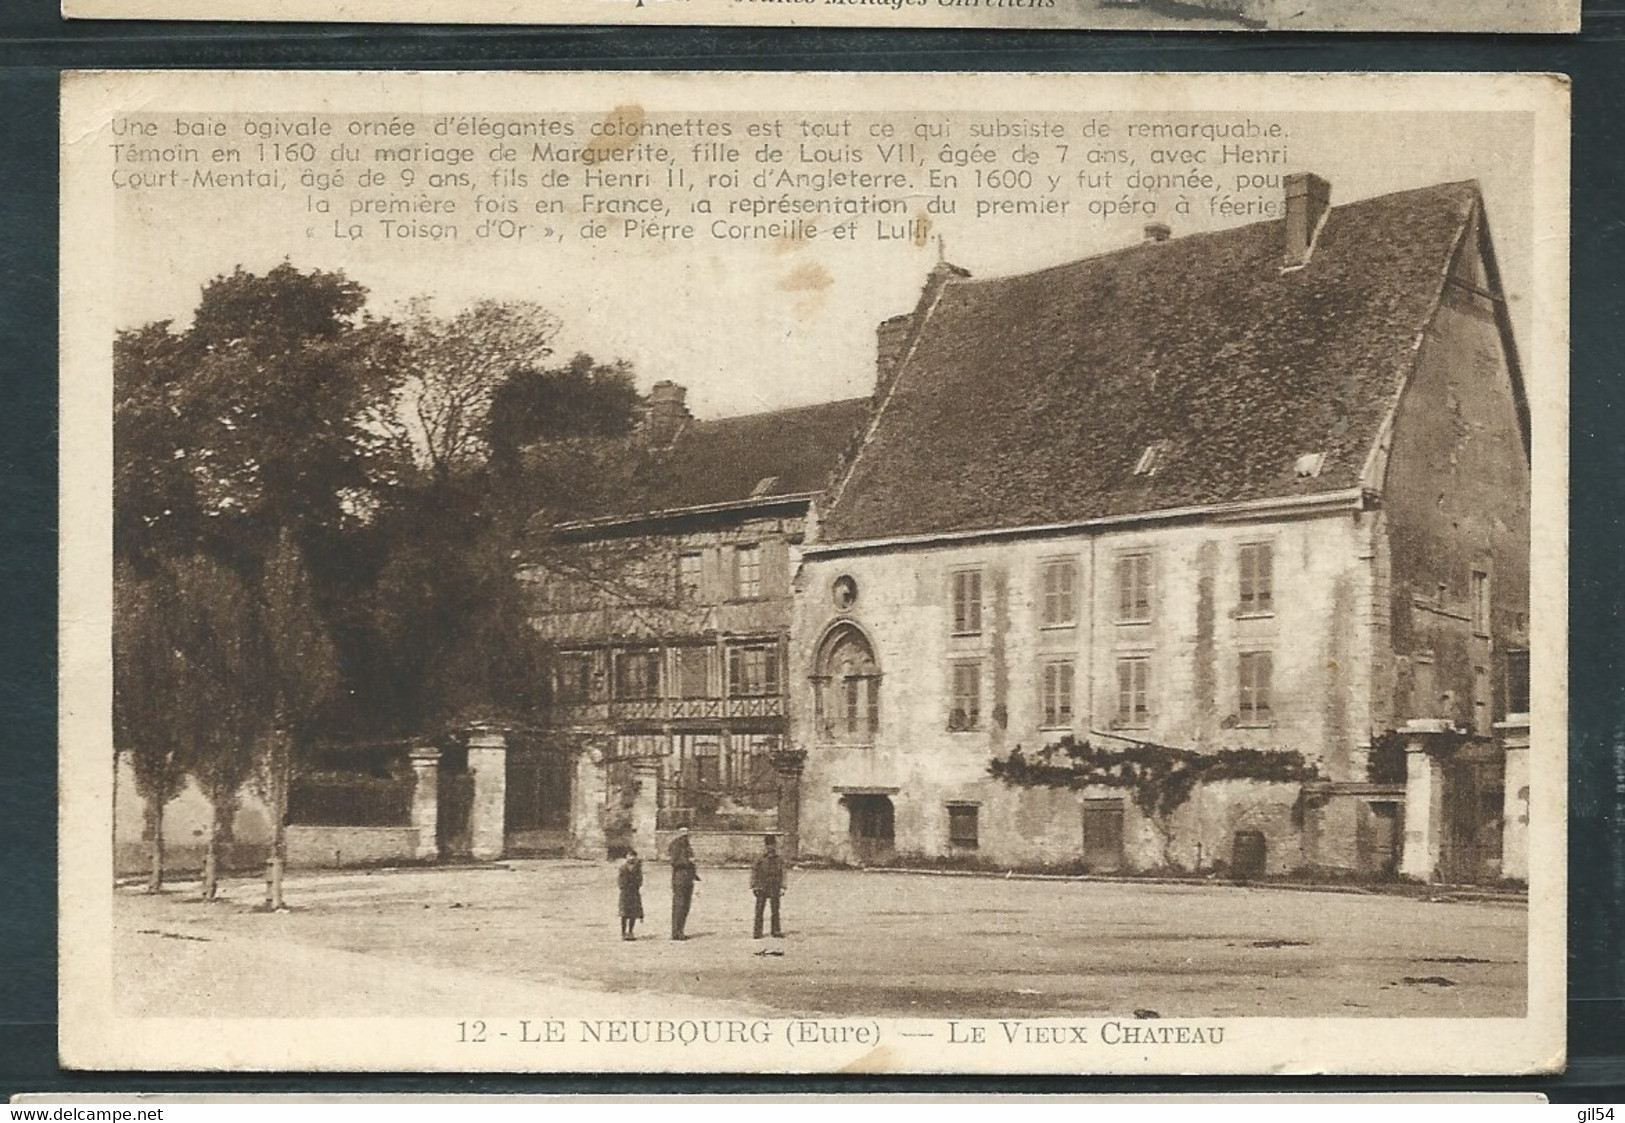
[(35, 43)]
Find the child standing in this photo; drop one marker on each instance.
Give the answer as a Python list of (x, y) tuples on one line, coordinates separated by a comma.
[(631, 883)]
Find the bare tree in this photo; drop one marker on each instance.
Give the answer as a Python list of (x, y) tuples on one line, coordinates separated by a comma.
[(454, 367)]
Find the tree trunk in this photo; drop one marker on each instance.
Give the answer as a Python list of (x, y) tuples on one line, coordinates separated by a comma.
[(281, 763), (211, 859), (155, 820)]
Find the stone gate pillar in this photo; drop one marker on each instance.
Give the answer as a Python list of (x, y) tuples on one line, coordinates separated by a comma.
[(789, 764), (1513, 735), (645, 804), (1425, 739), (488, 817), (426, 802), (587, 796)]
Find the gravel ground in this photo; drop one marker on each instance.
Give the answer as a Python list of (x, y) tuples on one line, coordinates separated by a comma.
[(528, 935)]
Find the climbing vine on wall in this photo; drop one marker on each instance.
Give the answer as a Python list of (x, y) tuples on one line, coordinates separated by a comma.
[(1158, 778)]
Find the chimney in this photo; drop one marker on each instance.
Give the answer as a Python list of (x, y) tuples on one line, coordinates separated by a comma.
[(1158, 232), (666, 413), (1308, 198), (894, 337)]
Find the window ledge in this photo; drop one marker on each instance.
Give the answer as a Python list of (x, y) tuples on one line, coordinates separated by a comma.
[(1264, 615), (1066, 728), (1066, 626), (1133, 623), (1255, 725)]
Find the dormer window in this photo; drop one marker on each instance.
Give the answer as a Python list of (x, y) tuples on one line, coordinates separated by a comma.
[(1151, 459), (763, 486), (1308, 466)]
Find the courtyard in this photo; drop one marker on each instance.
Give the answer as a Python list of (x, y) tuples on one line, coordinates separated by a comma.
[(523, 935)]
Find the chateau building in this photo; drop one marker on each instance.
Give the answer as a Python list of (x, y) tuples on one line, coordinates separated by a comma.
[(667, 615), (1260, 489)]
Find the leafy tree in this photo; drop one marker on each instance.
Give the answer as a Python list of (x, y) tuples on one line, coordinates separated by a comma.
[(1159, 778), (442, 630), (583, 400), (147, 676), (300, 678), (255, 430), (218, 709)]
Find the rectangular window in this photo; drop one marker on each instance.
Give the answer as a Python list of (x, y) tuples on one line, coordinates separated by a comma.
[(708, 763), (968, 602), (753, 671), (688, 578), (1133, 680), (1257, 565), (1060, 579), (637, 674), (967, 701), (1256, 668), (747, 572), (962, 825), (1134, 589), (1057, 695), (574, 678), (1517, 682), (694, 672), (1481, 602), (852, 697)]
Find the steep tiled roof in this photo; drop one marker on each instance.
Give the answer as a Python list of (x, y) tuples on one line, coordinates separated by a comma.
[(1029, 400), (758, 456)]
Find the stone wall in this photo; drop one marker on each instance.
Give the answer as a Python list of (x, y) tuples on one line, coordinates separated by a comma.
[(186, 828), (714, 848), (332, 847)]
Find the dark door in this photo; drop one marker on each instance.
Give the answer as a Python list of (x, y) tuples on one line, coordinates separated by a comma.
[(1470, 846), (1249, 855), (1103, 834), (872, 828)]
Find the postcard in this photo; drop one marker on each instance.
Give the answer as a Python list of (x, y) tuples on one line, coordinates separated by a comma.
[(788, 573)]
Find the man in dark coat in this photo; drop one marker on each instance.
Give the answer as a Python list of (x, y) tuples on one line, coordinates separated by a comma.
[(683, 877), (767, 882)]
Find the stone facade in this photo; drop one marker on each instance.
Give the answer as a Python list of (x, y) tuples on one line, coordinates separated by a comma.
[(1191, 642)]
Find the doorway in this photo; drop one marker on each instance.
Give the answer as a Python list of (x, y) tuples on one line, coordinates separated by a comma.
[(871, 827), (1103, 835)]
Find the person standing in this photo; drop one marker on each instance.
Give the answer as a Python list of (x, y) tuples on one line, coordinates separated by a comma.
[(630, 877), (767, 882), (683, 877)]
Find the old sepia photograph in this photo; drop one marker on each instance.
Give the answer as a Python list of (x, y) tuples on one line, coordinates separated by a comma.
[(790, 573), (1484, 16)]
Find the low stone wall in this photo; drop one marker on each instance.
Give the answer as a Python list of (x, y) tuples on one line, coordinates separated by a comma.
[(185, 859), (316, 847), (715, 848)]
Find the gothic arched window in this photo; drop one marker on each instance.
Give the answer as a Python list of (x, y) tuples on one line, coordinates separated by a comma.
[(846, 687)]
